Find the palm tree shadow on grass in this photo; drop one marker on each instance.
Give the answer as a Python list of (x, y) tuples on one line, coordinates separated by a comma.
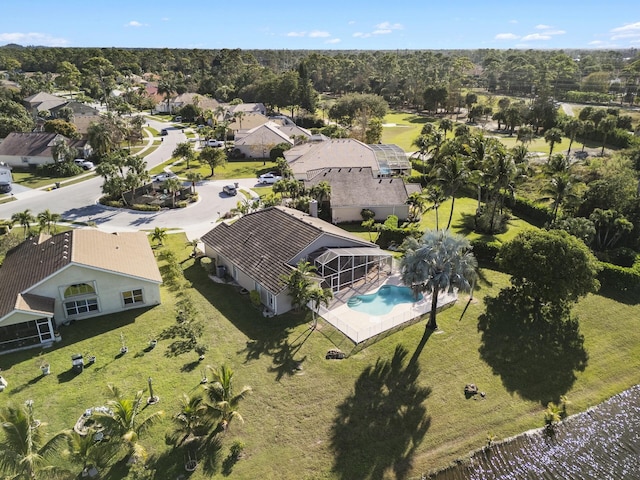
[(379, 426), (284, 361), (535, 357)]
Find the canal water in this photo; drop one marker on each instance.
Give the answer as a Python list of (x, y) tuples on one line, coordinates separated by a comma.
[(602, 443)]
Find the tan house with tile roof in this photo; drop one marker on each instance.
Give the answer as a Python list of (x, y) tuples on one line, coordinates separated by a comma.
[(258, 249), (76, 275)]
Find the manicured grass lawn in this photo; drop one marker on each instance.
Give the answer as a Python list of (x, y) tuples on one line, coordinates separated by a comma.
[(406, 130), (34, 179), (361, 417), (232, 169)]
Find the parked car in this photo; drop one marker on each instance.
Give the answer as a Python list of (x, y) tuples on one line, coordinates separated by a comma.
[(230, 190), (214, 143), (163, 177), (85, 164), (164, 131), (177, 118), (269, 178)]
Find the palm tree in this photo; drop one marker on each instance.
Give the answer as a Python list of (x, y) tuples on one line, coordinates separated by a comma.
[(184, 150), (319, 296), (224, 401), (159, 235), (436, 196), (299, 283), (61, 151), (607, 126), (192, 420), (586, 129), (446, 125), (525, 135), (194, 178), (173, 185), (239, 115), (321, 191), (559, 190), (47, 219), (452, 174), (166, 88), (214, 157), (124, 420), (24, 218), (439, 260), (193, 243), (23, 452), (552, 136), (571, 128), (85, 451)]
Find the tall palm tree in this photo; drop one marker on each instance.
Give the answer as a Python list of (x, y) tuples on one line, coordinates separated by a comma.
[(24, 453), (319, 296), (439, 260), (193, 243), (47, 219), (607, 126), (184, 150), (552, 136), (194, 178), (452, 174), (173, 185), (159, 235), (571, 128), (436, 196), (24, 218), (125, 420), (446, 125), (220, 392), (559, 190), (166, 88), (239, 115), (586, 129), (321, 191)]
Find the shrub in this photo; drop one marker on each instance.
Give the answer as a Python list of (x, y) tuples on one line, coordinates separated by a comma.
[(143, 207), (485, 252), (623, 256), (60, 169), (182, 204), (207, 264), (619, 279), (254, 296), (391, 236), (537, 214), (111, 203)]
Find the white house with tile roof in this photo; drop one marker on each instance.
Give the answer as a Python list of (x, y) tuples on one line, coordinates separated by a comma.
[(72, 276), (258, 249)]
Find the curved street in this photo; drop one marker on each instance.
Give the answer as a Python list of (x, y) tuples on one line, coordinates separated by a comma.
[(79, 202)]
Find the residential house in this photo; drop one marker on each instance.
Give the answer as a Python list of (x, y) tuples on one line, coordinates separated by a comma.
[(258, 141), (43, 102), (356, 188), (36, 148), (72, 276), (384, 160), (247, 108), (179, 101), (260, 248), (246, 122)]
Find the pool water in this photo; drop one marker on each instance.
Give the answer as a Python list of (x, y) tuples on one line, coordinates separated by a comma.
[(382, 301)]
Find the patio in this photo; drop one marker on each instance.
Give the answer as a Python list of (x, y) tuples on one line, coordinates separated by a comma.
[(358, 326)]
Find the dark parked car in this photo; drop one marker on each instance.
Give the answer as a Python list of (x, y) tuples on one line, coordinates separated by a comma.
[(230, 190)]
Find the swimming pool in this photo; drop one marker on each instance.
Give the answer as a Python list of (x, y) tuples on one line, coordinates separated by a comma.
[(382, 301)]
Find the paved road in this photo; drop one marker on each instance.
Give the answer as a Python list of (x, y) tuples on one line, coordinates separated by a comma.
[(78, 202)]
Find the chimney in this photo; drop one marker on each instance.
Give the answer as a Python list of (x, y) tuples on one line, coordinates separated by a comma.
[(313, 208)]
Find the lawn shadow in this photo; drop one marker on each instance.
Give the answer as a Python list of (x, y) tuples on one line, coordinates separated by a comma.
[(387, 402), (535, 357), (284, 361), (627, 297)]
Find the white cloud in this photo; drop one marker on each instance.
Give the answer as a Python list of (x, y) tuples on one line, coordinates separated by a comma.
[(361, 35), (389, 26), (319, 34), (555, 32), (630, 32), (381, 32), (506, 36), (596, 43), (351, 22), (33, 38), (542, 27), (333, 41), (296, 34), (535, 36), (134, 23), (513, 21)]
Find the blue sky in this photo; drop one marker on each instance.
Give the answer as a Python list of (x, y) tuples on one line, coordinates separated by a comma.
[(328, 24)]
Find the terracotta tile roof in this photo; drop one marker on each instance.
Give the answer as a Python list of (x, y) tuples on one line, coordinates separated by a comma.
[(38, 258), (262, 244)]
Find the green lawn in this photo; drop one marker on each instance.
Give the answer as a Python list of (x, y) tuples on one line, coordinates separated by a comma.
[(34, 179), (358, 418), (232, 169)]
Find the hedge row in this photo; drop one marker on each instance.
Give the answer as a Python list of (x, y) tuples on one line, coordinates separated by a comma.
[(535, 213), (620, 279)]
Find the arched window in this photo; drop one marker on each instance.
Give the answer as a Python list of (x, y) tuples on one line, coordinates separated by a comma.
[(79, 289)]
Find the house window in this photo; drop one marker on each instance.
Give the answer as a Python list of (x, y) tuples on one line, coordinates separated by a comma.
[(79, 289), (79, 307), (132, 297)]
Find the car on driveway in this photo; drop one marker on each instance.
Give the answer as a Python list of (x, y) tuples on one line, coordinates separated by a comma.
[(85, 164), (269, 178), (230, 190), (214, 143), (163, 177)]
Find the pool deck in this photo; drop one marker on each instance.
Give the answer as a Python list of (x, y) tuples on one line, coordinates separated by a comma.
[(360, 326)]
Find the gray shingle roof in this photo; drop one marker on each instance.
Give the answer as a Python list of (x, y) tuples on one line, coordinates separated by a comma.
[(34, 144), (358, 186), (262, 244)]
